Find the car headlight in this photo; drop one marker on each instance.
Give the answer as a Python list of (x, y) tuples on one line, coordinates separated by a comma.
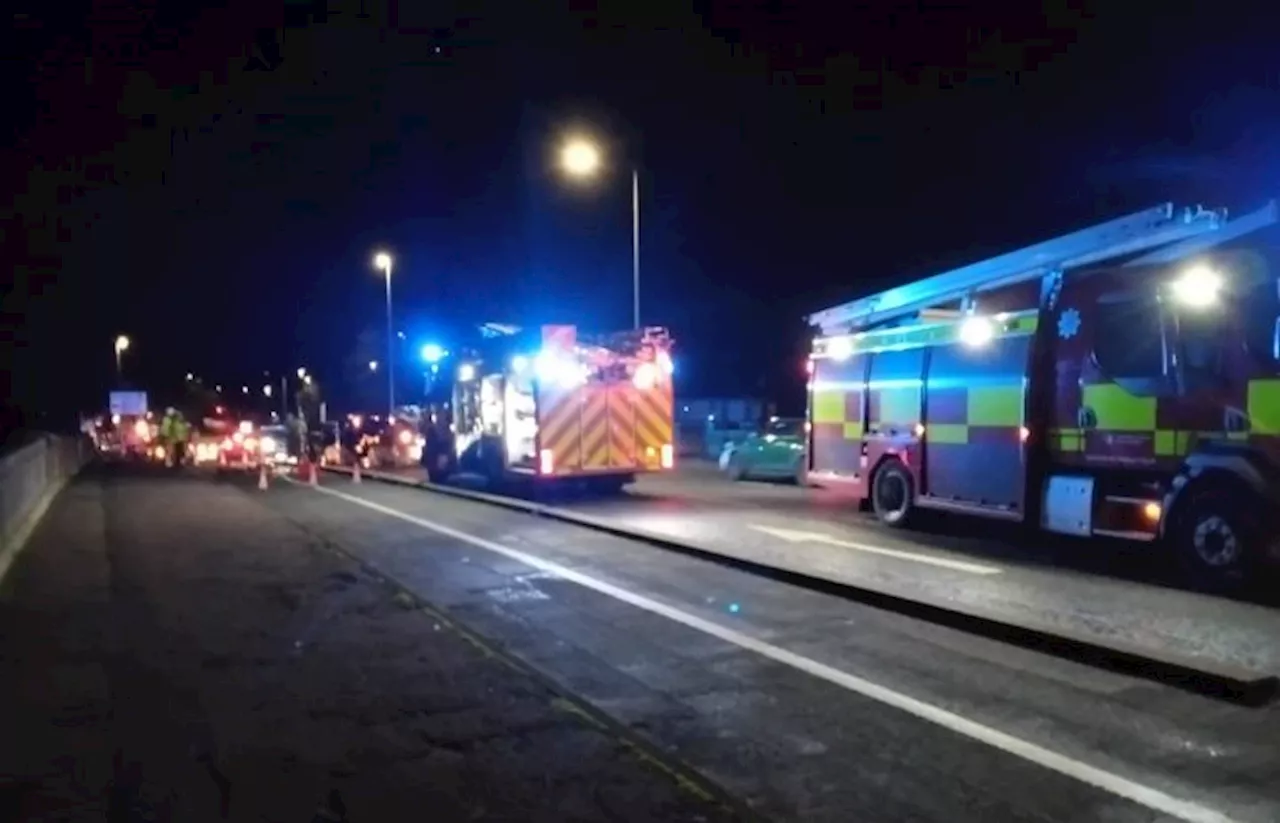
[(268, 445)]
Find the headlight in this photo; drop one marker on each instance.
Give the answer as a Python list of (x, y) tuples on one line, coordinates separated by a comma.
[(268, 445), (406, 437)]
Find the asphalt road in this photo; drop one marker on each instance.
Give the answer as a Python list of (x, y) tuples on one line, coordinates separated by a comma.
[(179, 649), (1110, 593), (806, 705)]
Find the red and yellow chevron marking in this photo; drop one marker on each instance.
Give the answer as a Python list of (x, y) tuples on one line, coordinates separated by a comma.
[(622, 427), (559, 428), (654, 427), (595, 428), (598, 428)]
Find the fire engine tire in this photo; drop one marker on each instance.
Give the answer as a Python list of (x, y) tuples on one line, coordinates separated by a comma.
[(801, 474), (1217, 535), (893, 494)]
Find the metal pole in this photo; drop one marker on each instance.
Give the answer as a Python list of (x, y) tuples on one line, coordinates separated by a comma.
[(284, 397), (391, 344), (635, 245), (119, 368)]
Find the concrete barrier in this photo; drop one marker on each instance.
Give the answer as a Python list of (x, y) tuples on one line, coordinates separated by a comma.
[(30, 477)]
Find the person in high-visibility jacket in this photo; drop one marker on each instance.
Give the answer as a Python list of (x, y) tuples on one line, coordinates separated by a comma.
[(174, 432), (181, 436)]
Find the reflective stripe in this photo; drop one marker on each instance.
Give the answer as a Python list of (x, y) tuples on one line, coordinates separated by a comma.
[(1117, 410), (947, 433), (852, 431), (995, 405), (1263, 407), (929, 334), (828, 407)]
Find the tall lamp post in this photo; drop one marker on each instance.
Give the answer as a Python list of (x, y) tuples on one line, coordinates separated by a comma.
[(122, 345), (383, 261), (580, 157)]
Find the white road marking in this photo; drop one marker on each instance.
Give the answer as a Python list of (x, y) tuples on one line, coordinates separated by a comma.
[(1100, 778), (798, 536)]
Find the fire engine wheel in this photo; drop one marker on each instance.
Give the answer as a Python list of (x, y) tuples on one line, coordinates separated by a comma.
[(893, 494), (1216, 536)]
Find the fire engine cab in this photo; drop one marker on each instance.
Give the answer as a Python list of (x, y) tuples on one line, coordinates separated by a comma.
[(1121, 381), (593, 409)]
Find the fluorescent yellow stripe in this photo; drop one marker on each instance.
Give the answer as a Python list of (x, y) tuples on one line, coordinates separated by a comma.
[(852, 431), (947, 433), (995, 406), (1117, 410), (1263, 406), (828, 407)]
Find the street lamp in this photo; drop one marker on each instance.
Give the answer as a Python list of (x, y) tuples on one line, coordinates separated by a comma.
[(383, 261), (581, 158), (373, 365), (122, 345)]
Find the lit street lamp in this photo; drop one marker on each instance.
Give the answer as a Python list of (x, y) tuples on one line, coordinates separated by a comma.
[(383, 261), (373, 365), (122, 345), (302, 372), (581, 158)]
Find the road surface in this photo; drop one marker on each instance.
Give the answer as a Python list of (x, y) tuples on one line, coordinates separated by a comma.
[(801, 705), (1104, 592), (178, 650)]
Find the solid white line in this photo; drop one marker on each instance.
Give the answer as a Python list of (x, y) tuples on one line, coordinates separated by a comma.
[(797, 536), (1118, 785)]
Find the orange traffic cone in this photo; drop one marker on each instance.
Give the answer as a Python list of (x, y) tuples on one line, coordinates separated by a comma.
[(262, 477)]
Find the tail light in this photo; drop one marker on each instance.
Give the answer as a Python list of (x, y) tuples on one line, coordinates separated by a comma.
[(546, 461), (406, 437), (668, 457), (228, 444)]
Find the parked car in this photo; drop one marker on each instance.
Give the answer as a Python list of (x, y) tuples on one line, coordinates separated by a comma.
[(777, 452)]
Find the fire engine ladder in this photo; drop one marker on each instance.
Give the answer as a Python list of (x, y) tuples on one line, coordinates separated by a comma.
[(1154, 228)]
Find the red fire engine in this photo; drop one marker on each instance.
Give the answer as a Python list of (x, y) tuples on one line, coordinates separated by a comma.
[(596, 410), (1122, 380)]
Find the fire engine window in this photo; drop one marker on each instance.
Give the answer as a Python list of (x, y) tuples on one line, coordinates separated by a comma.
[(1202, 338), (1261, 316), (1128, 341)]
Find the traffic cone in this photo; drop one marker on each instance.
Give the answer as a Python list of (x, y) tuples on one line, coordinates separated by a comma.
[(262, 476), (355, 472), (315, 473)]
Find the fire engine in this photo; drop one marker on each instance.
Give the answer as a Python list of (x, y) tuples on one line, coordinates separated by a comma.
[(596, 409), (1121, 381)]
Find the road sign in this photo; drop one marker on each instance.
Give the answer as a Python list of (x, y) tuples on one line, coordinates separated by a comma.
[(128, 403)]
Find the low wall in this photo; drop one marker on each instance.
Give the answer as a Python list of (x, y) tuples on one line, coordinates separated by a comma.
[(30, 477)]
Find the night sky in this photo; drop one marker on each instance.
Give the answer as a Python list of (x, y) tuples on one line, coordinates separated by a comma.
[(214, 183)]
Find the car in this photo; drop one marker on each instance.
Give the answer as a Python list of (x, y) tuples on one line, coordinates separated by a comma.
[(777, 452)]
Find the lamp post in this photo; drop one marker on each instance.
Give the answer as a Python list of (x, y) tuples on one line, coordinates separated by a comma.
[(122, 345), (580, 158), (383, 261)]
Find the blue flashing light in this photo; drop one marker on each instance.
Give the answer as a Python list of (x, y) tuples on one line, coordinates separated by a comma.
[(433, 353)]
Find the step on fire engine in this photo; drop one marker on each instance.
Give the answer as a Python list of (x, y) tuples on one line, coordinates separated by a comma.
[(1121, 381), (594, 409)]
